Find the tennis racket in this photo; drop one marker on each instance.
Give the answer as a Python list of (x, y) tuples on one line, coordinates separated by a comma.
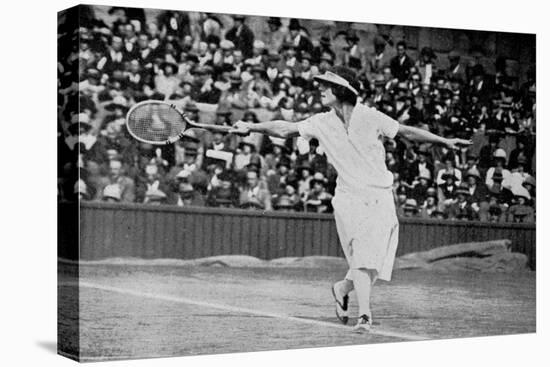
[(161, 123)]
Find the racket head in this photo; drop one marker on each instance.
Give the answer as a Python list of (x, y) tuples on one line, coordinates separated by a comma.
[(155, 122)]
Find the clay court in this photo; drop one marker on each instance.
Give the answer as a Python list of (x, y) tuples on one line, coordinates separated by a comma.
[(141, 309)]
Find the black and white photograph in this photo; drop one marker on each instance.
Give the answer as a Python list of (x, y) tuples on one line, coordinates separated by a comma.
[(233, 183)]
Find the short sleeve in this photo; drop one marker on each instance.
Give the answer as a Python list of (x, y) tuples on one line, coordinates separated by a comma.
[(386, 125), (307, 128)]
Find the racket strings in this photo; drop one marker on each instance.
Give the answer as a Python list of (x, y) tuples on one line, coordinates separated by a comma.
[(155, 122)]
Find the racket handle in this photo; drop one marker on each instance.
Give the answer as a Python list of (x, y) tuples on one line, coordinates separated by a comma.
[(174, 139)]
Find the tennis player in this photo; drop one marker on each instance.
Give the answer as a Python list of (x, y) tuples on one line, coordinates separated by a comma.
[(351, 135)]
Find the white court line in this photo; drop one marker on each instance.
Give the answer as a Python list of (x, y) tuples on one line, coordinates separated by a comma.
[(223, 307)]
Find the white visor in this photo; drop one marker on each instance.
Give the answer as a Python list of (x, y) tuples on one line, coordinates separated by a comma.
[(335, 79)]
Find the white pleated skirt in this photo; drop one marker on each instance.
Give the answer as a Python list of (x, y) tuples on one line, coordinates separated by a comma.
[(368, 228)]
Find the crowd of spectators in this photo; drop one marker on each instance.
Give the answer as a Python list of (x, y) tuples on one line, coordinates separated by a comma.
[(196, 59)]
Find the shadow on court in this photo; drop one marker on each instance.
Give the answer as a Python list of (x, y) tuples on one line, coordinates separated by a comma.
[(129, 311)]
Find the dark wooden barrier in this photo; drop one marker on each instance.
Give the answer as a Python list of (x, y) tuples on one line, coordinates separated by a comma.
[(118, 230)]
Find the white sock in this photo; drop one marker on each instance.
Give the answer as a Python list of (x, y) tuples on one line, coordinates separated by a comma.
[(363, 280)]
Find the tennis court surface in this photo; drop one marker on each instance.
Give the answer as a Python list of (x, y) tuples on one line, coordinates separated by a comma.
[(139, 310)]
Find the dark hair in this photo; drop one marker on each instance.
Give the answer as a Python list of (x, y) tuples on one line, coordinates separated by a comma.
[(343, 94), (401, 43)]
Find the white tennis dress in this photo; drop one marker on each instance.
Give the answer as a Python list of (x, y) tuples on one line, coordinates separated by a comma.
[(363, 203)]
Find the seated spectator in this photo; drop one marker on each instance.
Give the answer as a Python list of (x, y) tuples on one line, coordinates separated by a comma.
[(186, 195), (254, 194), (430, 204), (288, 200), (410, 209), (503, 194), (151, 179), (111, 193), (461, 209), (447, 190), (116, 177), (154, 196), (317, 198), (305, 175), (478, 194), (499, 161), (521, 211), (277, 179), (224, 193), (420, 189), (244, 154), (449, 169), (400, 199), (518, 174), (497, 210)]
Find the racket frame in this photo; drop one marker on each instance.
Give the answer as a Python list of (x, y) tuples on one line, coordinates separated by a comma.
[(188, 124)]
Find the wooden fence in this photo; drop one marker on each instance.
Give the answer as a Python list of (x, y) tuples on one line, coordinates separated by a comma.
[(119, 230)]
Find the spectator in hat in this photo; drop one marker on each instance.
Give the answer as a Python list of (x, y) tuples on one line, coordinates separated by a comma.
[(278, 178), (354, 54), (400, 197), (241, 35), (246, 150), (521, 211), (317, 199), (447, 190), (461, 209), (401, 64), (143, 53), (430, 204), (204, 90), (503, 194), (288, 200), (155, 196), (381, 57), (258, 53), (276, 150), (150, 178), (449, 168), (499, 161), (224, 193), (114, 58), (299, 38), (117, 177), (471, 163), (305, 174), (323, 51), (456, 69), (478, 194), (425, 65), (111, 193), (423, 182), (479, 86), (487, 152), (274, 34), (186, 195), (410, 209), (518, 174), (254, 194), (521, 152), (497, 212), (92, 84)]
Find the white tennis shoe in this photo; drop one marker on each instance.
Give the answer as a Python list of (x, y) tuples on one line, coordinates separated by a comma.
[(341, 305), (364, 324)]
